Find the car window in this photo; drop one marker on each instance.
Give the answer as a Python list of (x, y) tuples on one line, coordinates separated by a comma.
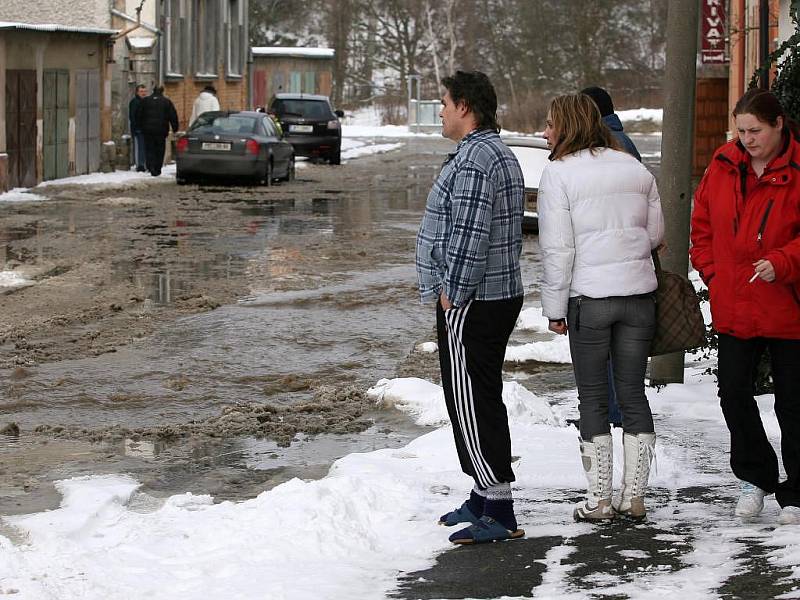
[(231, 124), (306, 109), (266, 122)]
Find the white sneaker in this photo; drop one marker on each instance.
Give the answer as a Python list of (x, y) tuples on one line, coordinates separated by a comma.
[(751, 500), (790, 515)]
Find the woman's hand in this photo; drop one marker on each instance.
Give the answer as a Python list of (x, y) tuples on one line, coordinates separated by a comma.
[(764, 270), (558, 326)]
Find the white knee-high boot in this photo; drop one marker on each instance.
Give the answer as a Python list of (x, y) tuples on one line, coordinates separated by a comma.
[(639, 450), (598, 460)]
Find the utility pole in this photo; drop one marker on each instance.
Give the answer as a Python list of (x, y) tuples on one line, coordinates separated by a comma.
[(677, 144)]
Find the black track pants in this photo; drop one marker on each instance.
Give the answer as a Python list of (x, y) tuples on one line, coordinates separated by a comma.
[(472, 347)]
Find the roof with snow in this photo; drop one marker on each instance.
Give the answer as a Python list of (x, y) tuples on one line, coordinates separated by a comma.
[(141, 41), (55, 27), (289, 51)]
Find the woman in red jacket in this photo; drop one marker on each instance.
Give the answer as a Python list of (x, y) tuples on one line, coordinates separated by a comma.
[(746, 247)]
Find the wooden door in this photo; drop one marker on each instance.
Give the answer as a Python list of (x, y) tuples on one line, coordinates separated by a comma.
[(87, 121), (56, 123), (21, 127)]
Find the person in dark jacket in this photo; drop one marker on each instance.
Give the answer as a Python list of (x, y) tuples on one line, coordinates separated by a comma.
[(610, 118), (746, 248), (137, 137), (154, 116)]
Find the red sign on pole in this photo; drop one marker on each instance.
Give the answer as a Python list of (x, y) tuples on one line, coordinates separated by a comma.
[(714, 31)]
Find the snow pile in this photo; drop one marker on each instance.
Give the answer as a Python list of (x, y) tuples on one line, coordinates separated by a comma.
[(425, 402), (354, 149), (532, 319), (555, 350), (428, 347), (20, 195), (641, 114), (115, 178), (420, 398), (9, 279), (374, 131)]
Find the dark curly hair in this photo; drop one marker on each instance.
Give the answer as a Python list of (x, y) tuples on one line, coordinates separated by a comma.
[(474, 89)]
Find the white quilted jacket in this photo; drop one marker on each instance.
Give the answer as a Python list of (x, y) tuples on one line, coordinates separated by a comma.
[(599, 218), (205, 101)]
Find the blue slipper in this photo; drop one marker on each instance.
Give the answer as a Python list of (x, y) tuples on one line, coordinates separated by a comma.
[(485, 530), (459, 515)]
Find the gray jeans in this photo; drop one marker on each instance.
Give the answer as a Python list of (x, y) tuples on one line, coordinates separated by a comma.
[(622, 326)]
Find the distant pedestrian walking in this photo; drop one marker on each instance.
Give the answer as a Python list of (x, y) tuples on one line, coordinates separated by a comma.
[(596, 233), (746, 247), (137, 137), (468, 250), (206, 101), (154, 116)]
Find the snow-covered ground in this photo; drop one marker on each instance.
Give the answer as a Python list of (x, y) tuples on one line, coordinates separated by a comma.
[(349, 534), (641, 114)]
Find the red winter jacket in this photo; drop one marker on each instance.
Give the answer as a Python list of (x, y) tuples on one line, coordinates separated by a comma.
[(734, 227)]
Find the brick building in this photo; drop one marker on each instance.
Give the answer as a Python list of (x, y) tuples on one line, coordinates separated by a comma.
[(204, 42), (183, 45)]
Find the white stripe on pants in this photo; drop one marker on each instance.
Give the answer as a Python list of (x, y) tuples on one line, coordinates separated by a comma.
[(462, 392)]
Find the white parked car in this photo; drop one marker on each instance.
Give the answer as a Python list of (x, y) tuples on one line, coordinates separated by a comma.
[(532, 153)]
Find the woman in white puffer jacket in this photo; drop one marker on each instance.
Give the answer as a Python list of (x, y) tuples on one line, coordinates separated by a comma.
[(206, 101), (599, 219)]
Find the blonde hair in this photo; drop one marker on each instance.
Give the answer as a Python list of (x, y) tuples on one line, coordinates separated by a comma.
[(577, 121)]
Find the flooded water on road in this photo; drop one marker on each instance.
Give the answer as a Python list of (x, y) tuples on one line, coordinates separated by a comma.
[(209, 402)]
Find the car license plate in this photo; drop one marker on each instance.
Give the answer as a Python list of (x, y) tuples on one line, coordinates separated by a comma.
[(301, 128), (216, 146)]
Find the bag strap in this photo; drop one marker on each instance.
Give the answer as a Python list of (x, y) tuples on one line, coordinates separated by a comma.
[(657, 264)]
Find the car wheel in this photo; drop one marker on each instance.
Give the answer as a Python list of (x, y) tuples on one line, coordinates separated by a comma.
[(181, 179), (336, 157)]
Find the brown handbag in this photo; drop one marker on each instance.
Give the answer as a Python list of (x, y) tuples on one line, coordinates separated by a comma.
[(679, 320)]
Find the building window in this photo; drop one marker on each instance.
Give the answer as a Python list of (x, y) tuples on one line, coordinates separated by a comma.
[(310, 82), (205, 39), (234, 34), (174, 42), (295, 82)]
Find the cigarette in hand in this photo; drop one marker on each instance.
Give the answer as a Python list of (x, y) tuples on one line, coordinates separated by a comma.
[(753, 278)]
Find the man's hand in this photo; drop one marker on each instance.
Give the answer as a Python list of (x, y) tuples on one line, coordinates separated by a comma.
[(558, 326), (445, 302)]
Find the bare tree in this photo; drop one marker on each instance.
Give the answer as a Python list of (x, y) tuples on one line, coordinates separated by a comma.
[(340, 19)]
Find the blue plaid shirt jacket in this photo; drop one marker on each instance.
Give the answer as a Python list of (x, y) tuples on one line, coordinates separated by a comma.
[(470, 238)]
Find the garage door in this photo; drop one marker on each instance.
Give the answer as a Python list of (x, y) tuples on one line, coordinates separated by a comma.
[(56, 123), (87, 121), (21, 127)]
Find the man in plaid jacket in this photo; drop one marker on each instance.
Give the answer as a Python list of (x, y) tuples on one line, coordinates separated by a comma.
[(468, 250)]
